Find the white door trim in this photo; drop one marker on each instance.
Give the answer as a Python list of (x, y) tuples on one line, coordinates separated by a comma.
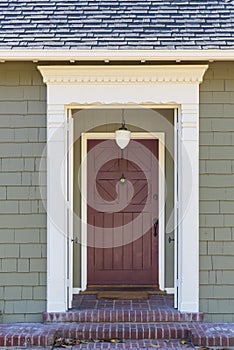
[(161, 154), (78, 86), (176, 205), (69, 194)]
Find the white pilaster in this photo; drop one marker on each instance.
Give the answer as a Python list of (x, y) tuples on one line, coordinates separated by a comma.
[(188, 248), (56, 209)]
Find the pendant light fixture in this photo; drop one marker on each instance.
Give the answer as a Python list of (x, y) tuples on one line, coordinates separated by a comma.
[(123, 135)]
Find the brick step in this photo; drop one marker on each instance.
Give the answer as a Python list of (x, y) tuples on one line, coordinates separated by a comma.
[(150, 344), (213, 334), (112, 316), (27, 335), (39, 335), (123, 331)]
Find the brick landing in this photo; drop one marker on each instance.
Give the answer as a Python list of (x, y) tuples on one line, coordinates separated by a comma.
[(158, 308)]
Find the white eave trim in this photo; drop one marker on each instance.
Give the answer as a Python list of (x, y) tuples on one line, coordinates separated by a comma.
[(119, 55)]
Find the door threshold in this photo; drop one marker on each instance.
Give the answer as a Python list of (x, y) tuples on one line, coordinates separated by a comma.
[(119, 286), (122, 295), (149, 289)]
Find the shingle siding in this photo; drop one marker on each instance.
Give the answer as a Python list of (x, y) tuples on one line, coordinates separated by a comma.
[(217, 193), (116, 24), (23, 218)]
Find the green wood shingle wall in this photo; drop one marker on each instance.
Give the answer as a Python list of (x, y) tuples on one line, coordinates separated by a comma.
[(23, 218), (217, 193)]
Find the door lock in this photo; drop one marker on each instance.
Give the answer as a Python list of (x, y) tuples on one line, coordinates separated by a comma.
[(75, 240), (155, 222)]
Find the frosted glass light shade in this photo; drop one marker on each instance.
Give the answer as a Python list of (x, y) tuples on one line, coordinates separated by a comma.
[(122, 137)]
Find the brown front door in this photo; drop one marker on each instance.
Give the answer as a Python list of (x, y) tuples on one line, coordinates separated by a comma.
[(122, 200)]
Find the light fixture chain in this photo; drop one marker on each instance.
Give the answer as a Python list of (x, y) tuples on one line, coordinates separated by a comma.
[(122, 153), (123, 119)]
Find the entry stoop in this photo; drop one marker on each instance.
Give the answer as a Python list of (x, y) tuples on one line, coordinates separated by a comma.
[(157, 309), (154, 319), (132, 324)]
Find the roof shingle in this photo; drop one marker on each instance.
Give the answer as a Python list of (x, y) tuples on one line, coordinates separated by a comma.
[(116, 24)]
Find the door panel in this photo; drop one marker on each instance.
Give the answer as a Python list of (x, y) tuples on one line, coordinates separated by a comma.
[(122, 248)]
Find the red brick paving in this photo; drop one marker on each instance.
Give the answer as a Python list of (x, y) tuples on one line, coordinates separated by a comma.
[(159, 308), (154, 319), (213, 334), (140, 344), (123, 331), (201, 334), (26, 334)]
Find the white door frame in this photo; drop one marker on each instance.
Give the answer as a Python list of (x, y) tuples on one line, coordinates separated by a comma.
[(173, 85), (161, 199)]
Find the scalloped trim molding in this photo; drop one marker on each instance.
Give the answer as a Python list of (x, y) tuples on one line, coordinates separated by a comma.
[(56, 75)]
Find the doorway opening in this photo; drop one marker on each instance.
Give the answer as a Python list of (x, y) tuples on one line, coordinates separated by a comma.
[(151, 150)]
